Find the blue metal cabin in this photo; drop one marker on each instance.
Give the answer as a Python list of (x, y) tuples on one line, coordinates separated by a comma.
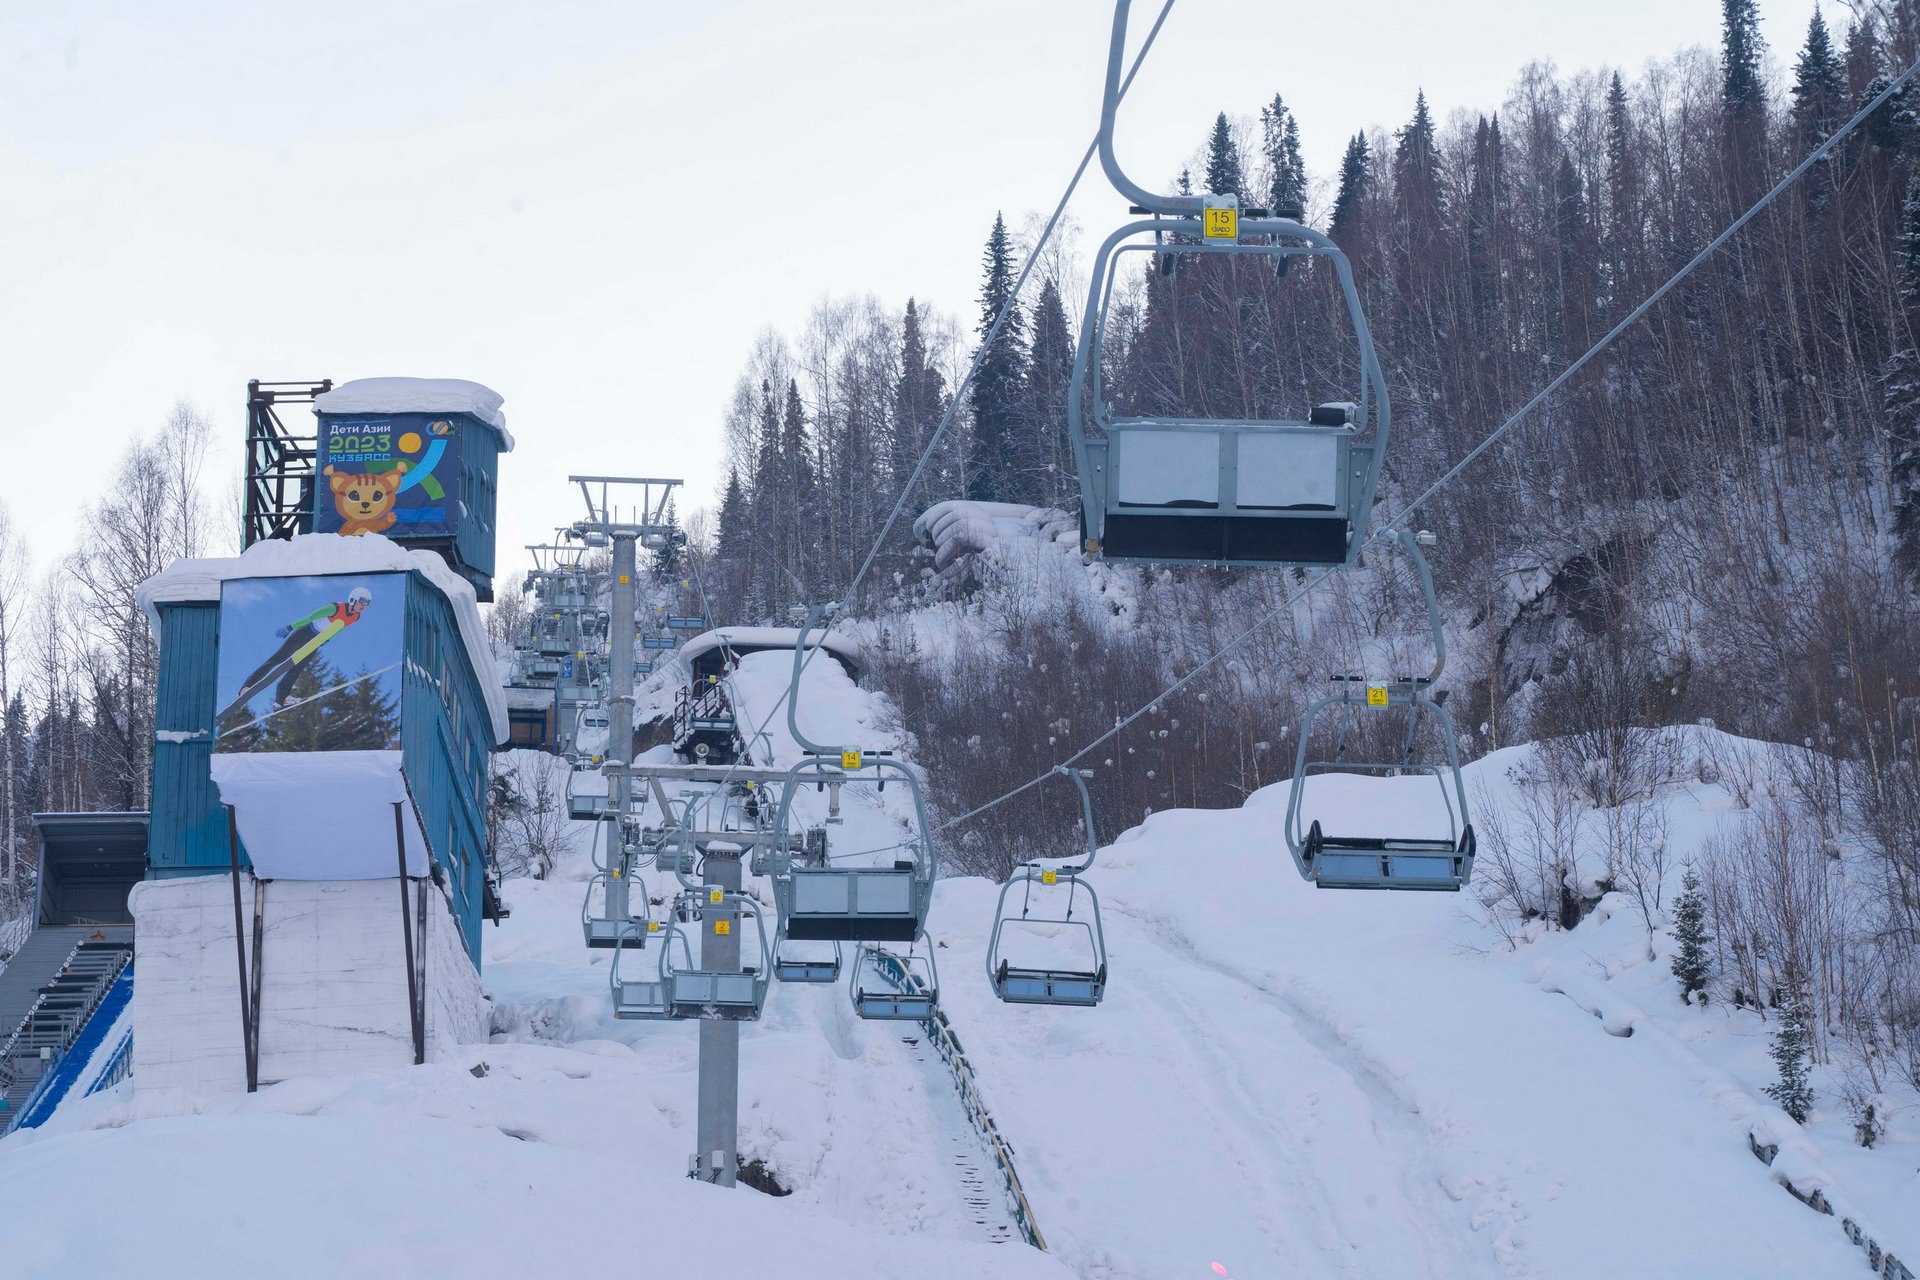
[(446, 735)]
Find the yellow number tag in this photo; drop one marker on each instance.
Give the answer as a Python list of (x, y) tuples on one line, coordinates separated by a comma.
[(849, 759), (1376, 695), (722, 928), (716, 896), (1049, 877), (653, 926), (1223, 224), (623, 579)]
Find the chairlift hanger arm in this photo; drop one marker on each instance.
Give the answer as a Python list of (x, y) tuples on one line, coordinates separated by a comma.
[(1079, 777)]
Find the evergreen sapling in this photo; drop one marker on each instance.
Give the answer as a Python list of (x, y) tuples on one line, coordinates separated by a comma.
[(1792, 1057), (1691, 964)]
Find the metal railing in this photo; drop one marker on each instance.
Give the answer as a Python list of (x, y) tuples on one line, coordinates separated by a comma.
[(947, 1043), (67, 1027), (118, 1067)]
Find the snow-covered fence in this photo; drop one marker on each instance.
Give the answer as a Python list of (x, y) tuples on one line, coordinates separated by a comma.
[(940, 1032), (1884, 1264)]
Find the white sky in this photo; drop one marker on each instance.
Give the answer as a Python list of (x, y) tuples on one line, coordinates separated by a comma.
[(594, 207)]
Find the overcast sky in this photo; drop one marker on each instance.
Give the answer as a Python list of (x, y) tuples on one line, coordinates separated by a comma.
[(594, 207)]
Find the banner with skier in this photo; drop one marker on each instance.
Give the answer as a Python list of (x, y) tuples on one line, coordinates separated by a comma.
[(310, 663)]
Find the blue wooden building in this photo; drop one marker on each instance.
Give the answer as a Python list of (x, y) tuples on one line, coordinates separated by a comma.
[(449, 720)]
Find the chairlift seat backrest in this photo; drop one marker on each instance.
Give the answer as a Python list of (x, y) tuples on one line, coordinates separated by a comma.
[(877, 904)]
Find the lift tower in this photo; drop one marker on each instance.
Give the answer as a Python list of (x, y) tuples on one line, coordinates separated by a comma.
[(624, 512)]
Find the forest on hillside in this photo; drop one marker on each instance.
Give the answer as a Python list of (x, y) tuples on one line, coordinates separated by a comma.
[(1716, 522)]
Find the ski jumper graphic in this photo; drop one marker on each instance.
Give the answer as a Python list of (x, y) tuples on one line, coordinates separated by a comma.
[(299, 640)]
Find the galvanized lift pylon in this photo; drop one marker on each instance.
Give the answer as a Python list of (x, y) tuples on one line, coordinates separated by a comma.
[(646, 523)]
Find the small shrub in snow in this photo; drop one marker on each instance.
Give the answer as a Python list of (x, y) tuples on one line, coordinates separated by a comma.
[(1691, 963)]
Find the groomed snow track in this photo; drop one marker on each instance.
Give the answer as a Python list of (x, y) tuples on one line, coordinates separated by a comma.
[(945, 1042)]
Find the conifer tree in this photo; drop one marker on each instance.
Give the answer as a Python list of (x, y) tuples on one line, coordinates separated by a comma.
[(1743, 99), (1486, 209), (733, 519), (1050, 476), (1225, 173), (667, 559), (1417, 207), (1280, 143), (764, 506), (1901, 388), (734, 548), (998, 387), (1624, 201), (1355, 181), (1792, 1054), (1819, 86), (801, 520), (1691, 963), (1416, 167), (919, 398)]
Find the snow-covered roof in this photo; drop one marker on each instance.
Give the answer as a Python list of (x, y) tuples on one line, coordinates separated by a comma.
[(418, 395), (844, 648), (318, 553), (527, 697)]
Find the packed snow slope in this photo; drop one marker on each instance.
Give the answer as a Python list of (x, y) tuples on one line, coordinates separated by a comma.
[(1286, 1082)]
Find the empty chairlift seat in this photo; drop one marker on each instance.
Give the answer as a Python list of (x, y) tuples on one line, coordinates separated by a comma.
[(1055, 950), (1361, 862), (732, 995), (1339, 860), (639, 990), (894, 986), (1175, 486), (822, 903), (806, 963)]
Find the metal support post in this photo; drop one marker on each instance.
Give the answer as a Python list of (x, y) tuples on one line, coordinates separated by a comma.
[(619, 748), (248, 1040), (718, 1127)]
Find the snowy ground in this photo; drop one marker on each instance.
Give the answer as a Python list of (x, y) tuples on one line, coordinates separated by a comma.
[(1283, 1081)]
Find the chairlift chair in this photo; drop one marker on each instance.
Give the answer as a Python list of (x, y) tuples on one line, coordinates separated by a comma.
[(584, 805), (887, 986), (855, 904), (849, 903), (1079, 986), (790, 964), (711, 993), (603, 930), (1430, 862), (643, 999), (1196, 490)]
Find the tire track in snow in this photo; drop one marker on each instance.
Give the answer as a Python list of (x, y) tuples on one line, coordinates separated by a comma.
[(1447, 1250)]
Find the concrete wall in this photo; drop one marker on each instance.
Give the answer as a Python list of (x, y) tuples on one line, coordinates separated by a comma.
[(333, 982)]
